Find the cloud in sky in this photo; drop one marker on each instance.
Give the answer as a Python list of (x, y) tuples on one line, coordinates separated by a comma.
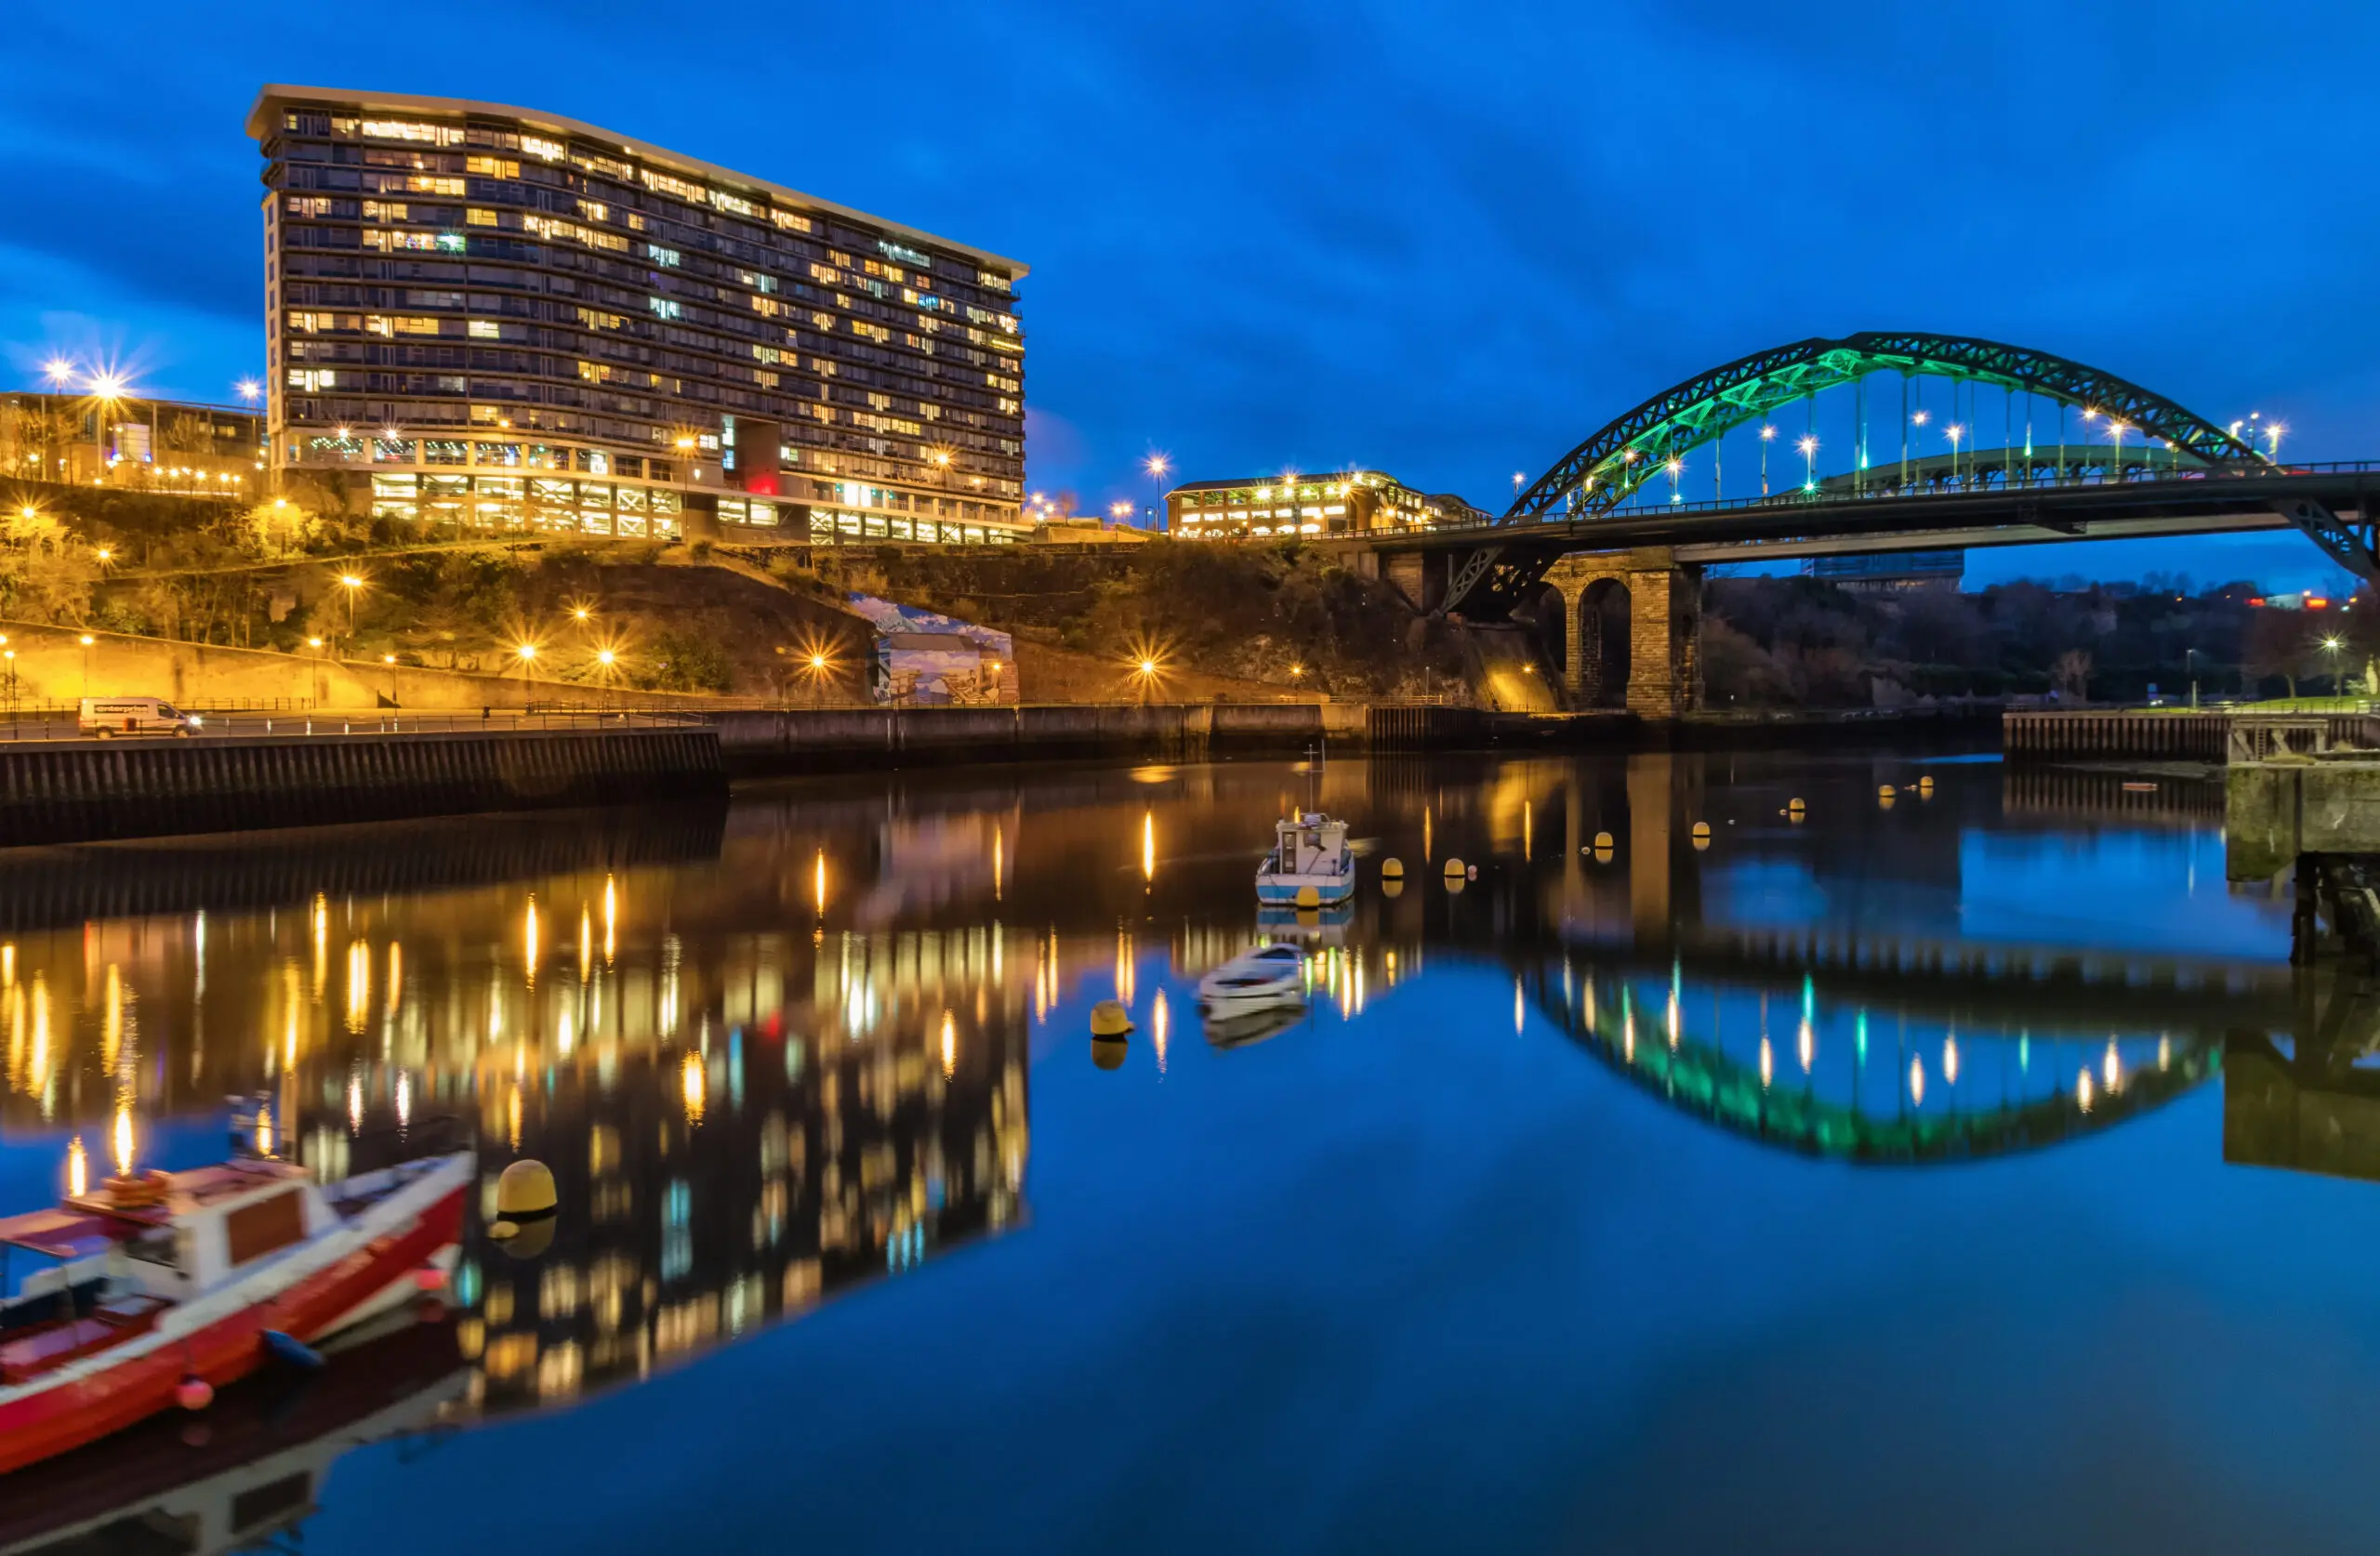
[(1447, 240)]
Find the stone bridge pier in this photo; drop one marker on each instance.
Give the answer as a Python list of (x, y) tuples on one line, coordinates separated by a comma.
[(1662, 674)]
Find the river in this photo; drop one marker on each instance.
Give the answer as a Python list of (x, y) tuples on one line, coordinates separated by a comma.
[(1964, 1168)]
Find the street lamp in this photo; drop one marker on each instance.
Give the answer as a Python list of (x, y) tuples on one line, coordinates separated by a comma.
[(1954, 432), (1809, 447), (1157, 465), (1767, 436), (2273, 430), (2332, 646), (87, 640), (2116, 430), (351, 582), (249, 389)]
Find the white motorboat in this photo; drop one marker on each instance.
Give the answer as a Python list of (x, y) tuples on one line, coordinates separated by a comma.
[(1270, 974)]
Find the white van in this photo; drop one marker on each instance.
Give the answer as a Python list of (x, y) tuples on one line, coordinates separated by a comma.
[(105, 716)]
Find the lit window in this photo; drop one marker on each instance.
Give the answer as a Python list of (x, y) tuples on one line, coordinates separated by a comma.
[(665, 308), (480, 216), (551, 151), (492, 167), (484, 329)]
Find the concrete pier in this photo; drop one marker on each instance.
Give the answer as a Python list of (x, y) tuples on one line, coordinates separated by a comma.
[(71, 791)]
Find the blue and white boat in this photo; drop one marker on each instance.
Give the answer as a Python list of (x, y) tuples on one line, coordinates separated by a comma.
[(1310, 864)]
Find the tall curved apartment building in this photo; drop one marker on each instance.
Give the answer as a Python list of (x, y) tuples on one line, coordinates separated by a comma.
[(488, 318)]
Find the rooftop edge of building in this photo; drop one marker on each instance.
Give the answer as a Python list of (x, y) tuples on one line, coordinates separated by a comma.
[(274, 95)]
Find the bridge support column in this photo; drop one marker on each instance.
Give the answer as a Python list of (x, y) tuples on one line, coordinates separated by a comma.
[(1665, 628)]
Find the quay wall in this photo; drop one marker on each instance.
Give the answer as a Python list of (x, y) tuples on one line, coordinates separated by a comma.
[(73, 791)]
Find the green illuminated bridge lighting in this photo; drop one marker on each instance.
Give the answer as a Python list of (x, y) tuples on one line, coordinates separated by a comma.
[(1886, 441), (1836, 1080)]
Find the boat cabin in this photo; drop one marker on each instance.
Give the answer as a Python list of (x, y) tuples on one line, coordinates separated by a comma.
[(101, 1265), (1309, 844)]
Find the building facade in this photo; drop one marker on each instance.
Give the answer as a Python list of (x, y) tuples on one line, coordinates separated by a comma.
[(1885, 572), (161, 445), (1344, 502), (496, 319)]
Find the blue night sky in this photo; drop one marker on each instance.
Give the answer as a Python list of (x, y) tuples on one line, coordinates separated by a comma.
[(1447, 241)]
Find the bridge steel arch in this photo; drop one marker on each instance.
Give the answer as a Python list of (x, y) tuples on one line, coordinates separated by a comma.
[(1601, 472)]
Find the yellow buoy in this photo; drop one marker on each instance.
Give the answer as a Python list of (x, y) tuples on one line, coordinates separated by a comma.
[(1925, 785), (1392, 886), (1702, 829), (1110, 1019), (1603, 840), (1795, 804), (1391, 869), (1797, 815), (525, 1192), (1603, 856), (1108, 1052), (1702, 842), (1886, 802), (1308, 897), (1885, 791), (1454, 869), (1454, 886)]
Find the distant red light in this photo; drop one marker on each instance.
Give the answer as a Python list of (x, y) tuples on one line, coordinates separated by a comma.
[(2314, 602), (2257, 602)]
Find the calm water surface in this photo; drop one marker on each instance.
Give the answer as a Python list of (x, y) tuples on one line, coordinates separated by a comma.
[(1963, 1174)]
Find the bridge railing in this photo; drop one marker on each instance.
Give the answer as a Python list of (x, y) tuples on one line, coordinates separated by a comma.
[(1987, 480)]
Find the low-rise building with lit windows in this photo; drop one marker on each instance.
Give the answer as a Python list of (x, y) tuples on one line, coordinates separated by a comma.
[(491, 318), (157, 446), (1345, 502)]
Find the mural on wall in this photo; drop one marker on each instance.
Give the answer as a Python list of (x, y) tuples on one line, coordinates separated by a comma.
[(923, 659)]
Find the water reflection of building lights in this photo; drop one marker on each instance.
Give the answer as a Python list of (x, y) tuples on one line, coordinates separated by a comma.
[(1160, 1028), (111, 1018), (1517, 1007), (1627, 1025), (818, 884), (264, 1130), (585, 944), (612, 917), (529, 938), (1950, 1059), (2112, 1067), (1806, 1041), (1767, 1064), (1148, 847), (396, 977), (950, 1042), (1124, 969), (405, 1100), (692, 1085), (359, 984), (354, 1103), (78, 1167), (1000, 844), (2082, 1089), (1917, 1080), (566, 1033), (322, 943)]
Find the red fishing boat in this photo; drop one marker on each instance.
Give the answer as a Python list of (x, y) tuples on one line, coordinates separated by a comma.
[(153, 1291)]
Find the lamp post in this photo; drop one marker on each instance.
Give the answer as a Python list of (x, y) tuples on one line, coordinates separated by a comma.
[(1809, 447), (87, 640), (1767, 436), (1954, 432), (2332, 646), (351, 582)]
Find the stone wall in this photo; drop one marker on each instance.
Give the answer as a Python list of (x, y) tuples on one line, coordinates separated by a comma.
[(53, 666)]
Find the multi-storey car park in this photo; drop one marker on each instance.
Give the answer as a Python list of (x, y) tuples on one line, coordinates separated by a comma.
[(496, 319)]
